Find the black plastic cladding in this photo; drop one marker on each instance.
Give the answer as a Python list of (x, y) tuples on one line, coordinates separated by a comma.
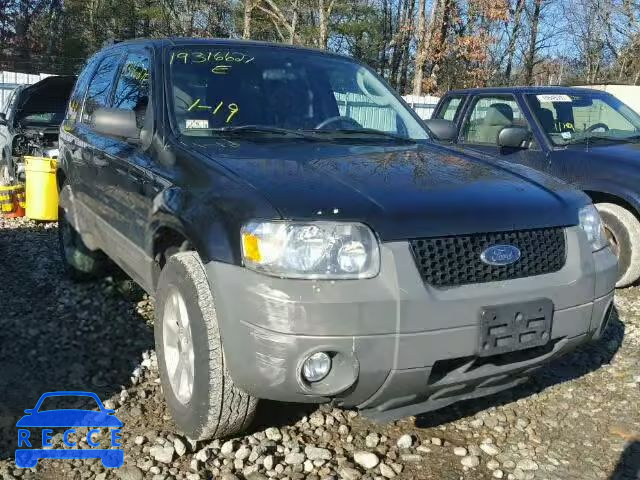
[(455, 260)]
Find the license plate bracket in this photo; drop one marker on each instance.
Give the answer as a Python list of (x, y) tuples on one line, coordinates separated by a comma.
[(514, 326)]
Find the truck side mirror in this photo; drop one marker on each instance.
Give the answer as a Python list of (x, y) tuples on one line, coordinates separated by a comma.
[(443, 130), (514, 137), (116, 122)]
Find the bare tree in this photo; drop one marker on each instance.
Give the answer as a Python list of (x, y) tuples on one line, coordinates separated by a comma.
[(530, 57), (324, 14), (248, 11), (513, 38), (423, 37)]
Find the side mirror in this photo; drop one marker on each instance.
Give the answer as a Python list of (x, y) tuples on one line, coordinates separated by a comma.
[(513, 137), (116, 122), (443, 130)]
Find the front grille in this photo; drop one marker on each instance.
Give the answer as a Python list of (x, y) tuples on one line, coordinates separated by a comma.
[(455, 260)]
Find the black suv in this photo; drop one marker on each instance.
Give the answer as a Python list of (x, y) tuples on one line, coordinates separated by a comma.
[(306, 242)]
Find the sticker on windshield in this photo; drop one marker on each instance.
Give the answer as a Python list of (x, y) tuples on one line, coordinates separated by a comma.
[(553, 98), (197, 123), (566, 135)]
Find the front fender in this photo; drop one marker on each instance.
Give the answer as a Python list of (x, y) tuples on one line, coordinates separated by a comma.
[(210, 220), (629, 194)]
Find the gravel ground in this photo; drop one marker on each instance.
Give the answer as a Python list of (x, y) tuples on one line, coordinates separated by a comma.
[(579, 418)]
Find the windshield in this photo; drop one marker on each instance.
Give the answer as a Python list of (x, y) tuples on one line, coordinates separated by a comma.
[(584, 117), (253, 89), (47, 118)]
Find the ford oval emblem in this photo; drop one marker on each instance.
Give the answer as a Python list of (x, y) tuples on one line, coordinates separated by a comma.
[(500, 255)]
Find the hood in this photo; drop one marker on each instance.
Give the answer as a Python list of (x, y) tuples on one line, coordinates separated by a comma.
[(401, 192), (49, 95)]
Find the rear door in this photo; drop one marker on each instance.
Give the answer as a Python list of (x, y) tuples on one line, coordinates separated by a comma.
[(70, 155), (485, 117)]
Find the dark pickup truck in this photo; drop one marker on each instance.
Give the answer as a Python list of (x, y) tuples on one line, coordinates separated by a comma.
[(585, 137), (306, 242)]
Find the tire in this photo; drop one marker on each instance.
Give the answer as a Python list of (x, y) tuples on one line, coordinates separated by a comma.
[(79, 263), (214, 407), (623, 230)]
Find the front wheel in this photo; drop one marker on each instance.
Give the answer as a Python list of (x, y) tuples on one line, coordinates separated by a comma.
[(198, 388), (623, 231)]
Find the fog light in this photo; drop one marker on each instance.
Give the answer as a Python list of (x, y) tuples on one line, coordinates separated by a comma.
[(316, 367)]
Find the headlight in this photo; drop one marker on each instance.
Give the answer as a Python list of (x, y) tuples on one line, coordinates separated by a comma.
[(591, 223), (322, 250)]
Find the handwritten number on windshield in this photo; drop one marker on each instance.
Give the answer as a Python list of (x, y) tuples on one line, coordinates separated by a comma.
[(185, 58), (231, 107)]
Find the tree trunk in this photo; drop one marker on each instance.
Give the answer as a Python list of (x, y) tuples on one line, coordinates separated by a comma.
[(23, 25), (324, 14), (440, 32), (294, 22), (248, 10), (399, 40), (513, 40), (421, 51), (386, 37), (530, 59), (404, 68)]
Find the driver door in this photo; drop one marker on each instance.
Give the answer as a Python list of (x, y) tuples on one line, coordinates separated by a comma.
[(487, 115)]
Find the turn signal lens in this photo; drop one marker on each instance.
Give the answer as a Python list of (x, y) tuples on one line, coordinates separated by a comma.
[(250, 247)]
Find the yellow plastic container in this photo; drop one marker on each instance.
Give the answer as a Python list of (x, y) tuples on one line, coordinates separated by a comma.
[(42, 188)]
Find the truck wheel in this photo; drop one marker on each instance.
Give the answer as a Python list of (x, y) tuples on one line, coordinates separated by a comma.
[(623, 231), (197, 386), (80, 263)]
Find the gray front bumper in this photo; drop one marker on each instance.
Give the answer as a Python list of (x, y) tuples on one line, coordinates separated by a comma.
[(395, 337)]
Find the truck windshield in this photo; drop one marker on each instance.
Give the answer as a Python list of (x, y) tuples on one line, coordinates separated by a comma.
[(585, 117), (254, 90)]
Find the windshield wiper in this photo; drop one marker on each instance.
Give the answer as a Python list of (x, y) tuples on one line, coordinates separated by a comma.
[(361, 132), (261, 130)]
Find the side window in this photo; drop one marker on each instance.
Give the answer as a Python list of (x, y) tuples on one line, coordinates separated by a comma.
[(100, 86), (132, 89), (80, 88), (450, 108), (488, 116)]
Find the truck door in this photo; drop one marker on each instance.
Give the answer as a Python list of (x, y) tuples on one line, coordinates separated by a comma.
[(486, 116), (132, 164)]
